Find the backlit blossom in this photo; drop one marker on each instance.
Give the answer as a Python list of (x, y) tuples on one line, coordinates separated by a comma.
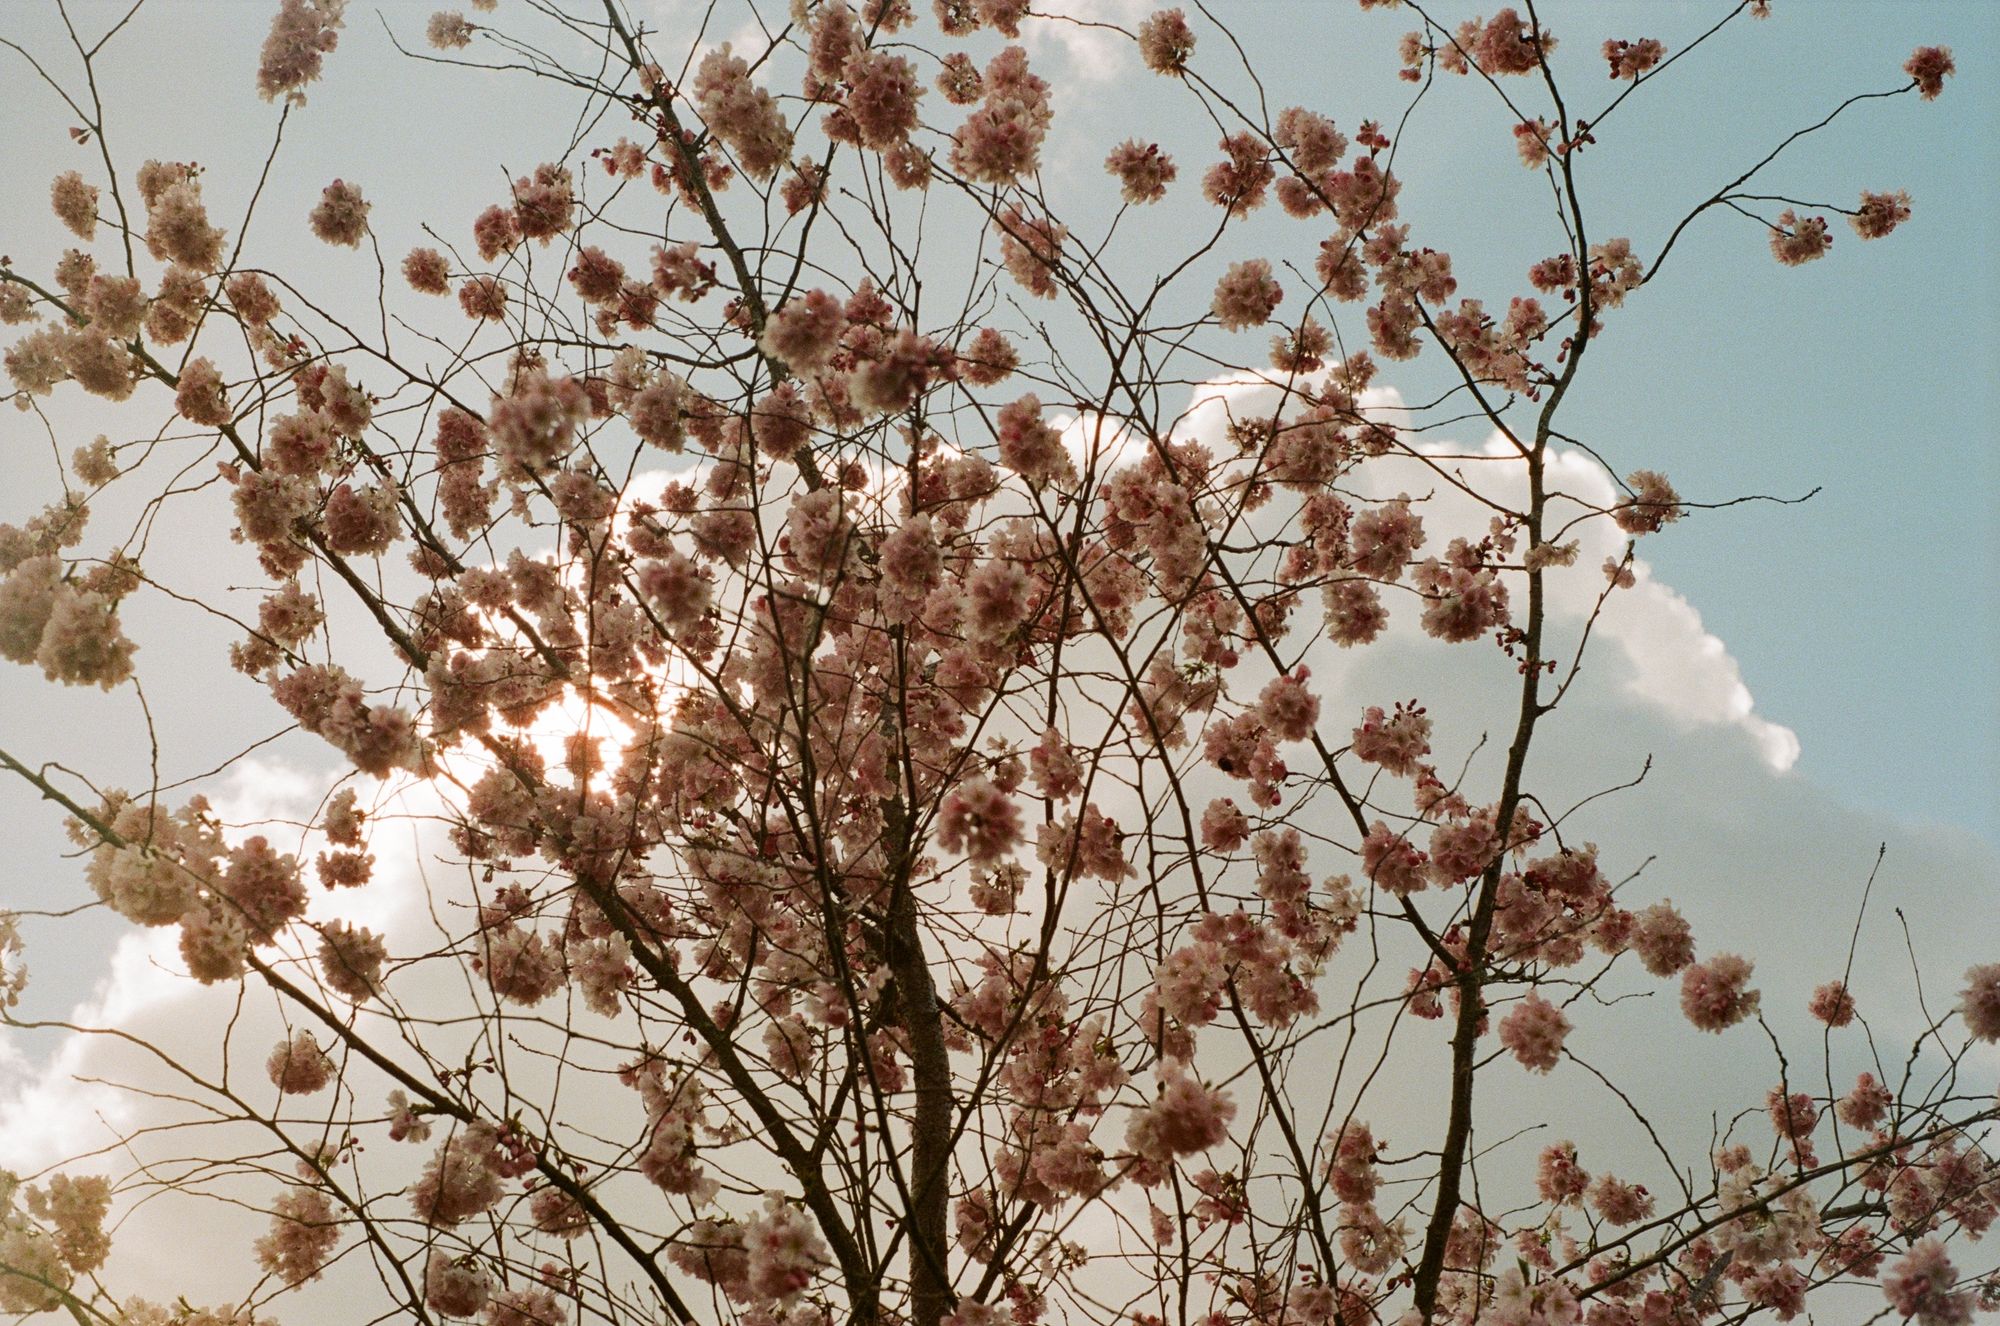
[(979, 819), (805, 332), (988, 359), (200, 397), (299, 1067), (1928, 67), (1922, 1286), (1397, 744), (1166, 42), (1652, 505), (1880, 213), (1143, 170), (449, 30), (1002, 140), (1796, 239), (1240, 180), (1979, 1002), (1030, 248), (75, 204), (1030, 447), (462, 1178), (341, 216), (1714, 994), (1832, 1004), (351, 958), (1629, 59), (455, 1287), (296, 47), (304, 1232), (1185, 1117), (741, 114), (1246, 295), (252, 298), (1618, 1202)]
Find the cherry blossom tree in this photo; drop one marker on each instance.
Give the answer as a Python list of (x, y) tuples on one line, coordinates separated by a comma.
[(842, 812)]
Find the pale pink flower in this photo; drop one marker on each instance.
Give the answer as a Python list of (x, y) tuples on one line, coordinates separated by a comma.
[(1880, 213), (1533, 1031), (1832, 1004), (1796, 239), (304, 1231), (1143, 170), (75, 204), (1354, 612), (1246, 295), (959, 80), (979, 819), (1224, 826), (1866, 1105), (252, 298), (299, 1067), (805, 333), (1979, 1003), (678, 589), (1652, 505), (535, 424), (116, 305), (1057, 771), (1398, 744), (1030, 249), (341, 216), (1922, 1285), (882, 99), (1629, 59), (1928, 67), (783, 1251), (360, 522), (1558, 1176), (1002, 140), (989, 359), (1382, 540), (744, 116), (1184, 1118), (74, 1208), (528, 1305), (427, 271), (351, 958), (177, 229), (1310, 140), (200, 397), (545, 203), (1531, 140), (1507, 44), (1031, 448), (455, 1287), (1460, 603), (97, 363), (1240, 180), (296, 47), (1287, 707), (449, 30), (1714, 994), (1392, 862), (462, 1178), (495, 231), (1620, 1203), (1166, 42)]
